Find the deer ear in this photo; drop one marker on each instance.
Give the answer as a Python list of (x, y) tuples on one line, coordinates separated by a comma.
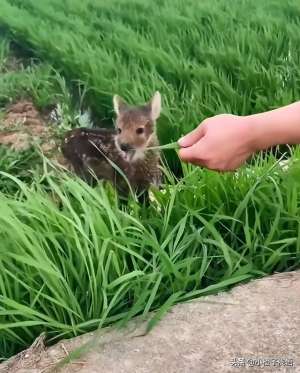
[(119, 104), (155, 106)]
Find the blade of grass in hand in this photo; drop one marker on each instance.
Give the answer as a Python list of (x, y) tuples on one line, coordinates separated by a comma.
[(172, 145)]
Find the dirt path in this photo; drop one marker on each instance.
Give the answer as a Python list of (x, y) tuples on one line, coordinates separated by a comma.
[(255, 327)]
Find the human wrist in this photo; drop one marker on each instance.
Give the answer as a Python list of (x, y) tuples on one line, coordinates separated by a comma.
[(264, 132), (276, 127), (253, 133)]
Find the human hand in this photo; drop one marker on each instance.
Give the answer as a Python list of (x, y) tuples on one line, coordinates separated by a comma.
[(222, 143)]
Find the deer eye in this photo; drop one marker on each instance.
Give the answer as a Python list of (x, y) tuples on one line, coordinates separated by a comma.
[(119, 130), (140, 130)]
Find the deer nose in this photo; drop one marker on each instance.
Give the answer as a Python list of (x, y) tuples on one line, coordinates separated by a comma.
[(125, 147)]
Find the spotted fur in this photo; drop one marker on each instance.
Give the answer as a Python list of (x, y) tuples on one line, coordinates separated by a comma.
[(91, 151)]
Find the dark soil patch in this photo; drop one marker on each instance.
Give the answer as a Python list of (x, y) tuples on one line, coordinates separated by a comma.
[(23, 126)]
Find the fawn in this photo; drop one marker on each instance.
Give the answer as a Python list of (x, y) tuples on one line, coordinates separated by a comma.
[(92, 151)]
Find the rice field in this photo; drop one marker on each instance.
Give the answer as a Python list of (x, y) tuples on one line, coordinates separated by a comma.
[(75, 258)]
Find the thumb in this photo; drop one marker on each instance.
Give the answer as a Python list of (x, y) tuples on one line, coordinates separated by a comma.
[(192, 137)]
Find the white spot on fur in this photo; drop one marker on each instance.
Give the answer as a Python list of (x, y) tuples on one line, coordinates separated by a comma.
[(139, 154)]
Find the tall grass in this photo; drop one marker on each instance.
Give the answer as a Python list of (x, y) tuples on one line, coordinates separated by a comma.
[(73, 259), (205, 57)]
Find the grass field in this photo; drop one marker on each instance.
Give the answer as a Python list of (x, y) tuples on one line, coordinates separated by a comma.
[(72, 258)]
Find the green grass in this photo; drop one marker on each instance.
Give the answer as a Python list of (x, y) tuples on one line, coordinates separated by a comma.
[(206, 57), (29, 78), (21, 78), (73, 258), (23, 164)]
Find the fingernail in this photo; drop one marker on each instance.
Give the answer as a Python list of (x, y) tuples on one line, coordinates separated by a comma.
[(181, 141)]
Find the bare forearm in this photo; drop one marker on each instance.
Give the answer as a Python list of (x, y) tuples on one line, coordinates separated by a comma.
[(225, 142), (279, 126)]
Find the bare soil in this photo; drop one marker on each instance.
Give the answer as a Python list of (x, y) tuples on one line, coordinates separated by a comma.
[(22, 126)]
